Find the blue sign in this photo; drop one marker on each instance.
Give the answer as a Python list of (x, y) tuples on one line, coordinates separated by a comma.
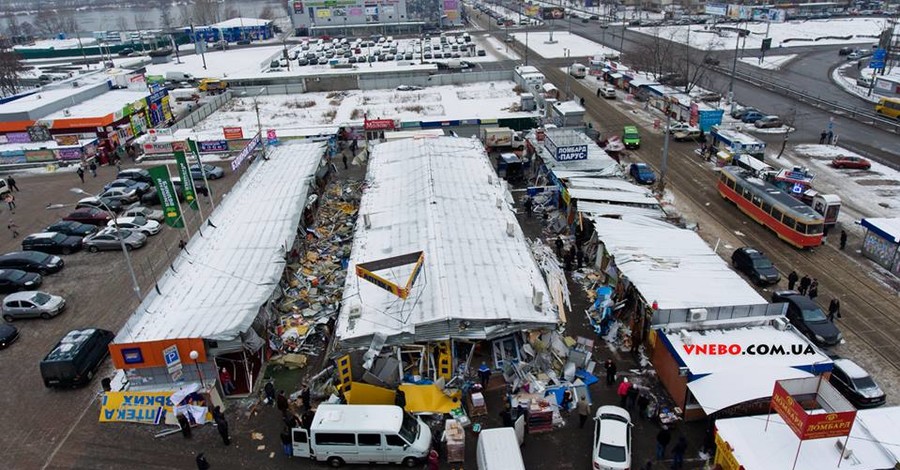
[(213, 146), (571, 152), (878, 57)]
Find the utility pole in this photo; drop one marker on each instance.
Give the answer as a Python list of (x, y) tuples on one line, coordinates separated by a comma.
[(737, 44), (665, 155)]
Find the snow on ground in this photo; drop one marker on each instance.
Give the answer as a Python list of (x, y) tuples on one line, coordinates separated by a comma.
[(221, 64), (471, 101), (576, 45), (505, 13), (788, 34), (772, 62), (842, 79), (493, 46)]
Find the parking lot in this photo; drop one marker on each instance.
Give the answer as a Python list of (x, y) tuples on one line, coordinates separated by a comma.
[(97, 288)]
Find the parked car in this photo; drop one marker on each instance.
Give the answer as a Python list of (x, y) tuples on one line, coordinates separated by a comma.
[(15, 280), (135, 174), (755, 265), (199, 188), (101, 203), (845, 50), (808, 318), (75, 358), (708, 96), (89, 216), (693, 134), (139, 224), (137, 186), (855, 383), (864, 82), (612, 438), (608, 92), (768, 122), (68, 227), (124, 52), (123, 195), (150, 198), (738, 113), (108, 239), (32, 304), (642, 173), (752, 116), (52, 242), (681, 126), (855, 55), (8, 335), (710, 60), (858, 163), (142, 211), (32, 261)]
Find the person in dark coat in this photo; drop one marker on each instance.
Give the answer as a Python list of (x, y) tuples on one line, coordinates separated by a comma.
[(579, 257), (611, 370), (569, 259), (643, 402), (306, 419), (286, 443), (269, 390), (566, 400), (792, 280), (506, 416), (805, 281), (221, 425), (834, 309), (484, 373), (678, 453), (559, 247), (282, 402), (93, 168), (529, 207), (305, 398), (663, 437), (822, 137), (584, 412), (11, 183), (843, 239), (813, 290), (80, 173), (400, 399), (185, 425), (202, 463), (344, 159), (631, 397)]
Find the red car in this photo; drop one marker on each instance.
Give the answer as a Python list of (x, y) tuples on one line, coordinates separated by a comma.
[(89, 215), (858, 163)]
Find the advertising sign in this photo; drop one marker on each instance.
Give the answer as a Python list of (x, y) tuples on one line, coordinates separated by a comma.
[(717, 9), (725, 455), (69, 139), (233, 133), (213, 146), (790, 411), (68, 154), (826, 425), (451, 4), (166, 191), (298, 8), (251, 146), (571, 152), (173, 362), (378, 124), (271, 137), (135, 407), (323, 13), (18, 137), (355, 11), (39, 133), (184, 171), (156, 147), (553, 13), (533, 10)]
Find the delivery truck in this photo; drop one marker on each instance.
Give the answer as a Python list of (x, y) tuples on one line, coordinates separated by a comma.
[(501, 138)]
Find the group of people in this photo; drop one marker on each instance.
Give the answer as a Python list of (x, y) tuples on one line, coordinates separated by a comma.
[(810, 287), (289, 417), (573, 256)]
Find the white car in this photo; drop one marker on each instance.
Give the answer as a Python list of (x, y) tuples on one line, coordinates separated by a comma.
[(608, 92), (681, 127), (136, 210), (612, 439), (137, 224)]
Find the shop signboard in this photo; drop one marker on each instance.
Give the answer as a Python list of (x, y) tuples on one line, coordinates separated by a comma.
[(156, 147), (43, 155), (66, 140), (716, 9), (378, 124), (566, 153), (323, 12), (3, 139), (69, 154), (271, 137), (812, 426), (355, 11), (231, 133), (39, 133), (210, 146), (725, 455), (790, 411), (532, 11), (18, 137), (327, 3), (135, 407)]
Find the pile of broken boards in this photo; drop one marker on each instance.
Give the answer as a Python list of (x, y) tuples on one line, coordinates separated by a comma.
[(314, 279)]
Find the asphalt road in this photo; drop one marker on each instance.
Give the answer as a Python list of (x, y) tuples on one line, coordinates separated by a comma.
[(99, 294)]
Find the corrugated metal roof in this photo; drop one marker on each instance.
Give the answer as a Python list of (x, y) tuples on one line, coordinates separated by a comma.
[(440, 197), (222, 278)]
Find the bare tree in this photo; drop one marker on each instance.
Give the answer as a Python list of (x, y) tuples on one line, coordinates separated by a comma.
[(206, 12), (267, 13), (122, 23), (10, 67), (165, 14), (231, 12), (12, 25), (185, 14)]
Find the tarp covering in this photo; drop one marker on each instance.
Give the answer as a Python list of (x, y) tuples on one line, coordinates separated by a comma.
[(722, 390)]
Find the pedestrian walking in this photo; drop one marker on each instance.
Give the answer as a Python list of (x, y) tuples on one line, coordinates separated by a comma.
[(354, 145), (566, 400), (843, 239), (643, 402), (830, 139), (559, 246), (12, 227), (202, 463), (185, 425), (834, 309), (434, 462), (269, 390), (282, 402), (221, 425), (622, 391), (529, 207), (813, 290), (805, 281), (93, 168), (610, 367), (579, 257), (344, 159), (286, 443), (118, 164), (11, 183), (305, 396), (792, 279), (584, 411), (631, 397), (11, 202), (822, 137), (678, 453), (569, 258), (663, 437), (224, 376), (80, 173), (484, 373), (506, 416)]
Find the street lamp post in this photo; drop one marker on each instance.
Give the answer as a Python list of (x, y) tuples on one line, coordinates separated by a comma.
[(737, 44), (134, 282), (194, 355)]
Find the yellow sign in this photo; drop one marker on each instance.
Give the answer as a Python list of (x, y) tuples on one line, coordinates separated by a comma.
[(323, 13), (135, 407), (366, 271), (725, 456)]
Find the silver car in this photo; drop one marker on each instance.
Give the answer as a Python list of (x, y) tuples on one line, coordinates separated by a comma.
[(108, 239), (145, 212), (32, 304)]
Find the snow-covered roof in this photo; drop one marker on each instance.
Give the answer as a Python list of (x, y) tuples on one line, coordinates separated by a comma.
[(888, 228), (107, 103), (241, 22), (881, 423), (221, 279), (614, 196), (612, 184), (716, 392), (566, 107), (642, 81), (598, 162), (478, 276), (49, 144), (599, 209), (673, 266), (765, 444)]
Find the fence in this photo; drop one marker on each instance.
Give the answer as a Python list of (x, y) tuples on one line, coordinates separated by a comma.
[(203, 112), (730, 312), (419, 79)]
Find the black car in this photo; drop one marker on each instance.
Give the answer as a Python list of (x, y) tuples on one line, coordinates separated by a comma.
[(52, 242), (15, 280), (135, 174), (32, 261), (199, 188), (755, 265), (845, 50), (70, 227), (126, 51), (8, 335), (101, 203), (807, 317), (856, 384)]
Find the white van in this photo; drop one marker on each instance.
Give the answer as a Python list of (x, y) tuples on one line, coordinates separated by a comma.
[(368, 434), (498, 449)]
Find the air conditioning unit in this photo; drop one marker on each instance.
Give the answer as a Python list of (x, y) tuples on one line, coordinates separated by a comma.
[(537, 298), (685, 337), (780, 323), (697, 314), (683, 371), (355, 313)]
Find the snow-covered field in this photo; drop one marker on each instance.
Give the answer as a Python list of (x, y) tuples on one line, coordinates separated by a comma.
[(499, 49), (772, 62), (471, 101), (576, 45), (221, 64), (788, 34)]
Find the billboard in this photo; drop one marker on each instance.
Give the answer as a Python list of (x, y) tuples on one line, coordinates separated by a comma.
[(553, 13), (837, 421), (532, 11), (716, 9)]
